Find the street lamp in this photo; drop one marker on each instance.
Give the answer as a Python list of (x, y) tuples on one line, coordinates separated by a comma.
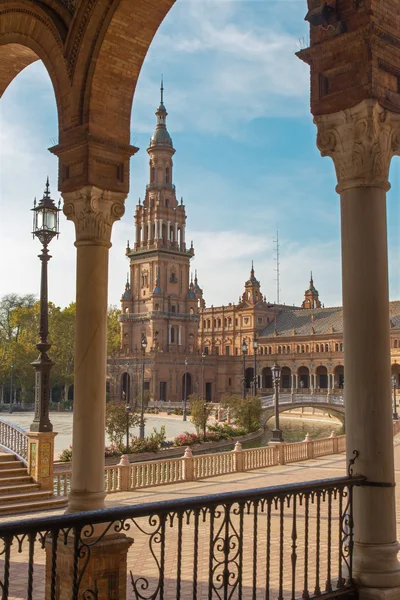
[(127, 412), (203, 356), (244, 352), (394, 384), (276, 375), (45, 227), (128, 384), (205, 422), (255, 348), (301, 387), (141, 427), (185, 391)]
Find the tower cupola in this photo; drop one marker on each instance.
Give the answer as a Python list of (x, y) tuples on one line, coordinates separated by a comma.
[(311, 296), (161, 136)]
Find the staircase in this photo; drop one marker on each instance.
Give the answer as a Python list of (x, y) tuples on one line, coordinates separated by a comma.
[(18, 491)]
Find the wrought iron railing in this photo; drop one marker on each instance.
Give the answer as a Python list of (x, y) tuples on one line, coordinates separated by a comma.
[(286, 542), (14, 439)]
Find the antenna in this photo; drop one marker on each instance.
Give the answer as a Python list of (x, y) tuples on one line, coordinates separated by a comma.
[(278, 289)]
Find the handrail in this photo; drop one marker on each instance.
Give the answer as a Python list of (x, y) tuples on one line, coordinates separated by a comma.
[(14, 439)]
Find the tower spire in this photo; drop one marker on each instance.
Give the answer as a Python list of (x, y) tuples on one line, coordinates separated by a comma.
[(252, 269), (162, 89)]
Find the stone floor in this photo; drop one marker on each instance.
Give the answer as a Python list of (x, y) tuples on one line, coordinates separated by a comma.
[(142, 563)]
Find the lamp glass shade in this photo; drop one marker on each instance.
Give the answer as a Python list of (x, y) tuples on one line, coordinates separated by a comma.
[(276, 371), (255, 344), (244, 348), (144, 342), (394, 381)]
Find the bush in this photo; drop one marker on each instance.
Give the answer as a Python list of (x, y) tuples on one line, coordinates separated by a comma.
[(246, 413), (65, 455), (187, 439), (152, 443), (200, 411), (116, 422)]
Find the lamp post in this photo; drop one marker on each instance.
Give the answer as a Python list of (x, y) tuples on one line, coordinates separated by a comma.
[(301, 387), (45, 227), (205, 422), (244, 352), (185, 391), (128, 384), (276, 374), (394, 384), (127, 412), (11, 388), (255, 348), (203, 356), (141, 426)]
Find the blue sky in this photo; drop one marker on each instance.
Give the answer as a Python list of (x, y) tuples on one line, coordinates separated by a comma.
[(246, 162)]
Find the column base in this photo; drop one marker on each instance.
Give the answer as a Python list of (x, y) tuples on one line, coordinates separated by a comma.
[(375, 566), (83, 501), (379, 593), (104, 576)]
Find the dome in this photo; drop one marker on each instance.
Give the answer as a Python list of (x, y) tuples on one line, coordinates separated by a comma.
[(127, 295), (191, 294), (161, 136), (157, 290)]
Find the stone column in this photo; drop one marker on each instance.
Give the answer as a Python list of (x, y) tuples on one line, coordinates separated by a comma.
[(361, 141), (93, 211)]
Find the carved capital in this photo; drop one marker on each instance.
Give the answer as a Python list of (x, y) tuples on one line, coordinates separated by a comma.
[(361, 142), (93, 211)]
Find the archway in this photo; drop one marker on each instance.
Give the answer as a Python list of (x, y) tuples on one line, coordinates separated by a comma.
[(186, 390), (249, 377), (396, 374), (304, 377), (338, 377), (286, 378), (125, 387), (322, 377), (267, 378)]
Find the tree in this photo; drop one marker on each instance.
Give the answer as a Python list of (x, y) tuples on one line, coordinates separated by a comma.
[(200, 411), (62, 337), (116, 418), (113, 330), (246, 412)]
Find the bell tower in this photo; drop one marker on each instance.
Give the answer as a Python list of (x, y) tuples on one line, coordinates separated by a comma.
[(161, 303), (311, 296)]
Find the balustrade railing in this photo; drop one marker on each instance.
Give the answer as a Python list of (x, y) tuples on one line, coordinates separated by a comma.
[(283, 542), (14, 439)]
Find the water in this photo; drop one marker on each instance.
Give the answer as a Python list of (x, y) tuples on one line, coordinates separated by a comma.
[(295, 430)]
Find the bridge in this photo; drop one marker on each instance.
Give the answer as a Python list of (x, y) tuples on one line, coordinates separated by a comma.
[(331, 404)]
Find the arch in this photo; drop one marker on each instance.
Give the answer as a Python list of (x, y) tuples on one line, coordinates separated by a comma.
[(395, 371), (188, 379), (266, 377), (338, 376), (249, 376), (115, 63), (286, 378), (322, 377), (125, 387), (304, 376)]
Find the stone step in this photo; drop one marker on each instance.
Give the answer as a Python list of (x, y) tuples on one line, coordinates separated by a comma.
[(19, 488), (11, 464), (4, 457), (6, 473), (26, 507), (29, 497), (15, 479)]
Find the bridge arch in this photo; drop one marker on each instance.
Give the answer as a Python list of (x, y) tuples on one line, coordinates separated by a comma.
[(303, 373), (338, 376)]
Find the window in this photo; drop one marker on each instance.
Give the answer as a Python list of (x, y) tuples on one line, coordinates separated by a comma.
[(172, 335), (336, 347), (326, 348), (230, 321), (208, 323), (204, 323), (157, 307), (167, 175), (307, 348), (341, 347), (229, 381), (163, 391), (191, 311), (236, 351), (298, 349), (206, 350), (219, 323), (153, 174), (173, 309), (260, 320), (317, 348), (225, 322), (216, 351), (279, 350), (396, 343), (236, 322), (167, 202), (227, 350), (302, 349)]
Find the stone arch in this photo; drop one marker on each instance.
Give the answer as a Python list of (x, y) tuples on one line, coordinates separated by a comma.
[(267, 377), (286, 378), (115, 62), (189, 386), (249, 377), (29, 35), (338, 376), (321, 377), (125, 387), (304, 376)]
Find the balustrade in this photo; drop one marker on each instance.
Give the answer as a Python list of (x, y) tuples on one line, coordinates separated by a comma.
[(14, 438)]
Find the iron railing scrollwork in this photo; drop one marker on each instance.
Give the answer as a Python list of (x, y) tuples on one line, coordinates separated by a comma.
[(13, 438), (285, 542)]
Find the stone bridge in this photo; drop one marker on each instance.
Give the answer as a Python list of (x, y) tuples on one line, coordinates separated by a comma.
[(331, 404)]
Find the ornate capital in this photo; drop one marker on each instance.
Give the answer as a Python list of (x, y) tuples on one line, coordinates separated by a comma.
[(361, 142), (93, 211)]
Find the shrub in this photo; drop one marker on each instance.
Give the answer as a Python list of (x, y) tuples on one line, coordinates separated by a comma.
[(187, 439), (246, 412), (65, 455), (116, 422), (200, 411)]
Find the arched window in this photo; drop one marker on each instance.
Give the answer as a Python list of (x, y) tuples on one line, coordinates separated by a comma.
[(215, 323), (288, 349), (216, 350), (284, 349), (219, 322), (191, 311), (225, 322), (336, 347), (396, 343), (206, 350), (208, 323), (326, 348), (317, 348), (270, 349), (307, 348), (153, 174), (204, 323), (157, 307), (172, 335), (341, 347), (167, 175), (302, 349), (230, 321), (298, 349), (279, 349)]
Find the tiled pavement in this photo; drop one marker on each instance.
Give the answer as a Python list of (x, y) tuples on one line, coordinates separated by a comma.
[(141, 561)]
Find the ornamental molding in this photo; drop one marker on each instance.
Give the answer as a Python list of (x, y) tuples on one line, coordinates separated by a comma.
[(93, 211), (361, 142)]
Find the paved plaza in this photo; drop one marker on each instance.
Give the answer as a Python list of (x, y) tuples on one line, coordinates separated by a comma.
[(141, 561), (62, 423)]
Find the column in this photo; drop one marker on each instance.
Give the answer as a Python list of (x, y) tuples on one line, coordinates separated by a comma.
[(148, 232), (361, 141), (93, 212), (137, 234), (160, 232), (297, 380), (169, 231), (176, 233), (155, 229), (183, 237)]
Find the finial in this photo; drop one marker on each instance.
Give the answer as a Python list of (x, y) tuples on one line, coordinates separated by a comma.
[(127, 278), (162, 89), (311, 279), (181, 200), (34, 202), (191, 244), (195, 276), (139, 202), (252, 269), (47, 189), (191, 277), (127, 243)]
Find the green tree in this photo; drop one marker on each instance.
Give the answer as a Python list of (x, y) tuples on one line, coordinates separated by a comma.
[(113, 330), (62, 337), (200, 411), (246, 413), (116, 422)]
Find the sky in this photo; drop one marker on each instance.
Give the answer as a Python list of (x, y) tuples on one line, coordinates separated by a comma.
[(246, 161)]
